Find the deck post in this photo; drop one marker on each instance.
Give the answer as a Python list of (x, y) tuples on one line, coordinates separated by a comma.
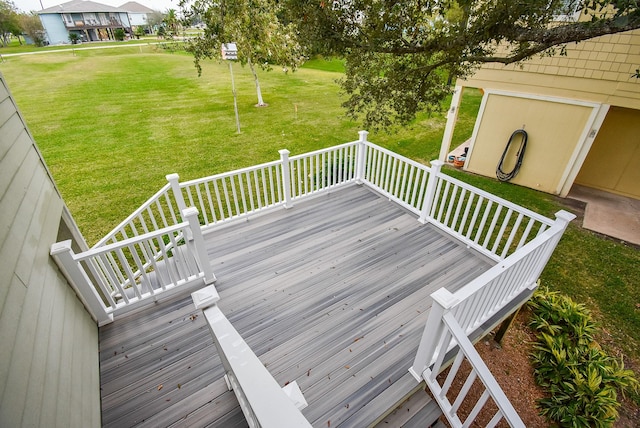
[(443, 301), (191, 216), (173, 179), (361, 156), (434, 174), (77, 277), (286, 177)]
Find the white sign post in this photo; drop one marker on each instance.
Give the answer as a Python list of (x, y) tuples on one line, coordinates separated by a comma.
[(230, 53)]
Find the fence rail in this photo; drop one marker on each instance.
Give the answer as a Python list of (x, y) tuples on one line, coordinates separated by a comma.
[(120, 275), (401, 179), (234, 194), (263, 402), (479, 370), (322, 170), (159, 211), (487, 223), (481, 299), (492, 225)]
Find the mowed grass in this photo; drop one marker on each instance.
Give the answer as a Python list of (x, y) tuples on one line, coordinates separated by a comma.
[(112, 123)]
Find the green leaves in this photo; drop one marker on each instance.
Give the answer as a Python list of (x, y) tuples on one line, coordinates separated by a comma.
[(581, 379), (441, 40)]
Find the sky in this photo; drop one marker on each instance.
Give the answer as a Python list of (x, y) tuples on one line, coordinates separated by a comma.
[(29, 5)]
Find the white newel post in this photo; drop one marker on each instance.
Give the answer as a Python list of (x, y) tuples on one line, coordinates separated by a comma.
[(286, 177), (64, 258), (434, 173), (174, 180), (443, 301), (191, 216), (361, 159)]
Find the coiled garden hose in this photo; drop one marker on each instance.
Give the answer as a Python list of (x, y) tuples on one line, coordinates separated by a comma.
[(506, 176)]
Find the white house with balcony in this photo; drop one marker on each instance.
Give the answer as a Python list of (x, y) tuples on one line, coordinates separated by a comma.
[(321, 289), (91, 21)]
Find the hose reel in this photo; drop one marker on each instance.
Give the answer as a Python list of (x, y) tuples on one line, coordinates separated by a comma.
[(506, 176)]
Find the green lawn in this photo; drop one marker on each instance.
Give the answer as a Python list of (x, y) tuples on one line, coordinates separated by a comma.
[(112, 123)]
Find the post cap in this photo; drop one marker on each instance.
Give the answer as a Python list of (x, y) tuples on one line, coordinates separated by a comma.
[(189, 211), (60, 247)]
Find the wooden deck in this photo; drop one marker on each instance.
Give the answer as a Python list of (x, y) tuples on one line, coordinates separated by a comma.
[(333, 293)]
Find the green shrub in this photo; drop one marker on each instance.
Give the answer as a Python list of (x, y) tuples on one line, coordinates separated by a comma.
[(581, 379), (119, 34)]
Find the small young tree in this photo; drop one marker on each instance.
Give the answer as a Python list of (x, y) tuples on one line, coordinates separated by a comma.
[(172, 23), (254, 25), (32, 27)]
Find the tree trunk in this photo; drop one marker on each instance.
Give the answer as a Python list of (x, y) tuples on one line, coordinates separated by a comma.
[(261, 102)]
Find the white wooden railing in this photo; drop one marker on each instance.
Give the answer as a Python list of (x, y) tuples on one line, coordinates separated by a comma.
[(489, 224), (479, 370), (119, 276), (477, 302), (261, 399), (160, 210), (160, 248)]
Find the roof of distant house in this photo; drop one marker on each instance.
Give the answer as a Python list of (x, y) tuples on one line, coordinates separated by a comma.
[(135, 7), (79, 6)]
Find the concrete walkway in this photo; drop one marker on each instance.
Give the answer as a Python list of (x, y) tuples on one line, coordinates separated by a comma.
[(612, 215)]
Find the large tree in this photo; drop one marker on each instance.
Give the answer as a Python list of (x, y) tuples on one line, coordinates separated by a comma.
[(402, 56), (254, 25)]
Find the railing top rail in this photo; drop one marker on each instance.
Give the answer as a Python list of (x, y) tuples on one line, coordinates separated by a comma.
[(483, 372), (497, 269), (95, 251), (325, 150), (228, 174), (137, 212), (495, 198), (397, 155)]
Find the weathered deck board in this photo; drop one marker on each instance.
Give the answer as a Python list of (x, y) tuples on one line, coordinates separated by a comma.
[(333, 293)]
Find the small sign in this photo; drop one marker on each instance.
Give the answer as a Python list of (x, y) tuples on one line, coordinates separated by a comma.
[(229, 51)]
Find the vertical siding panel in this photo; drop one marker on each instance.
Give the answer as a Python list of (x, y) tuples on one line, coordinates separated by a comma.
[(19, 218), (8, 330), (13, 161), (54, 354), (65, 369), (15, 395), (35, 388), (11, 131)]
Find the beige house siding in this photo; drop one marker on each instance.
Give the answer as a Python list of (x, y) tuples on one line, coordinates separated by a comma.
[(49, 373), (598, 70), (614, 159)]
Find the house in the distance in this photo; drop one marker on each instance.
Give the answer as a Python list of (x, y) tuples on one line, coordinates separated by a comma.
[(581, 112), (138, 14), (90, 20)]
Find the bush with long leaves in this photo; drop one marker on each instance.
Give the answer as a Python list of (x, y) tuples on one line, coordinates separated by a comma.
[(581, 380)]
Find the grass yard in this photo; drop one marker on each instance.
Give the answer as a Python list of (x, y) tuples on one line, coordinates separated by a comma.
[(112, 123)]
